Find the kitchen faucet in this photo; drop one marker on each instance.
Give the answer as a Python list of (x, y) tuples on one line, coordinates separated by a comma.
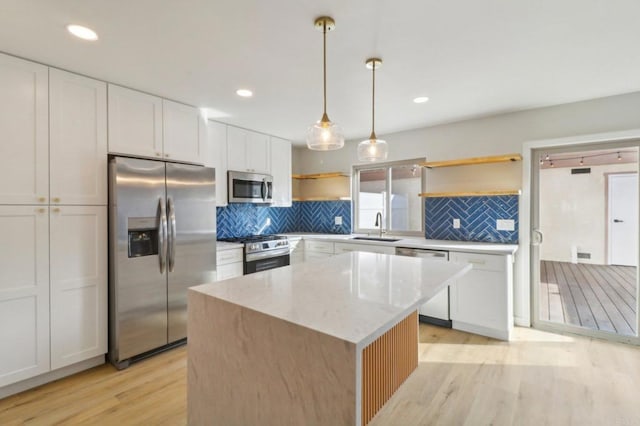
[(379, 222)]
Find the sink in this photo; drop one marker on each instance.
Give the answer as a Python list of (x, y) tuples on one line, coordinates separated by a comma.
[(389, 240)]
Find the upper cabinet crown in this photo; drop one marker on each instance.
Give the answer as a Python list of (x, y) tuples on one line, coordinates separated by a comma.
[(248, 151), (148, 126)]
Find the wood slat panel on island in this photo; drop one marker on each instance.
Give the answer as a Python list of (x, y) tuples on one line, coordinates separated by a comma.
[(286, 346), (472, 161)]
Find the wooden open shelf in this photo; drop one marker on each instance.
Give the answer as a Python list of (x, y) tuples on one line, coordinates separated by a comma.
[(321, 199), (470, 193), (320, 175), (473, 161)]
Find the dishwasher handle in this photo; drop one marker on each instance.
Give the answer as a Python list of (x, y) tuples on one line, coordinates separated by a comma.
[(424, 253)]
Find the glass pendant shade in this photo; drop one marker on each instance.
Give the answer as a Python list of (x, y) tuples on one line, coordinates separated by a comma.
[(325, 136), (372, 149)]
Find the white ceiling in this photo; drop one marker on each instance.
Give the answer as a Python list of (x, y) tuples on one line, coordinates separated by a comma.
[(472, 58)]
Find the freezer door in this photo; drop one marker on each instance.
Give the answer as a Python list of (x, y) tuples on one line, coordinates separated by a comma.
[(191, 212), (137, 251)]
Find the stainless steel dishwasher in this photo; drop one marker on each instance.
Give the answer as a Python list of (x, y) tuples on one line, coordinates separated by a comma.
[(436, 310)]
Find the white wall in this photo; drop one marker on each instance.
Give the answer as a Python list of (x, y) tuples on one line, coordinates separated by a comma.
[(573, 212), (499, 134)]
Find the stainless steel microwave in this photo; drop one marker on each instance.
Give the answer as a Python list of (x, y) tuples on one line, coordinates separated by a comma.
[(250, 187)]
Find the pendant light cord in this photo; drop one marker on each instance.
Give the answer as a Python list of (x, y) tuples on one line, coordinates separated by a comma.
[(324, 66), (373, 100)]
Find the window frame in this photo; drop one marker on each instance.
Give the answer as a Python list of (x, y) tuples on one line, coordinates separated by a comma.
[(355, 193)]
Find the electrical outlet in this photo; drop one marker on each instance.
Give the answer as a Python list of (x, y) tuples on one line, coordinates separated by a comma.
[(337, 220), (505, 225), (456, 223)]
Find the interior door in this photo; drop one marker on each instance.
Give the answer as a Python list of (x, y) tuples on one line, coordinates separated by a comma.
[(191, 212), (623, 219)]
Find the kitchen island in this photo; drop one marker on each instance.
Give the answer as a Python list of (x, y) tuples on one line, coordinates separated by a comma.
[(323, 342)]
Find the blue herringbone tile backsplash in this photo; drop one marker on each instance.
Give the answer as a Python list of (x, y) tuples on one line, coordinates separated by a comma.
[(477, 216), (239, 220)]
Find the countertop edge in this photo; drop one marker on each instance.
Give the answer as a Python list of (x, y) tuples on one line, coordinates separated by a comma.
[(448, 245)]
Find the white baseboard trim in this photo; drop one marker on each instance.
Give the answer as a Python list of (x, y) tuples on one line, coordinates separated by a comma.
[(522, 321), (483, 331), (24, 385)]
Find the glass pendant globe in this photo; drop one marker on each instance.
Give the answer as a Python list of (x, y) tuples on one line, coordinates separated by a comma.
[(372, 150), (325, 136)]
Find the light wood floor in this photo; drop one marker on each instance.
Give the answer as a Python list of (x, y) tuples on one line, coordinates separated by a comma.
[(599, 297), (537, 379)]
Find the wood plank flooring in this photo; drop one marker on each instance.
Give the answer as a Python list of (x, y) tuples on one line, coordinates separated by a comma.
[(599, 297), (538, 378)]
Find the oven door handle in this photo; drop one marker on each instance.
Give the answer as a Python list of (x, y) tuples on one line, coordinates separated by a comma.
[(251, 257)]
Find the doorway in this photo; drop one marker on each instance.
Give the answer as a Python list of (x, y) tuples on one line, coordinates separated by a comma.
[(584, 251), (622, 229)]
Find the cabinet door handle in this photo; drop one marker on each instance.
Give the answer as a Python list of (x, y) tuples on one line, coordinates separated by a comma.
[(40, 210), (166, 155), (56, 210), (158, 154), (42, 199), (56, 199)]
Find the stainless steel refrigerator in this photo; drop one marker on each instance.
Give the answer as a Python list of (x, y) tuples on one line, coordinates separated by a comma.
[(162, 240)]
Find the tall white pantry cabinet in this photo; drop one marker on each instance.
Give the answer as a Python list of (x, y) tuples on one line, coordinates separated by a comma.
[(53, 219)]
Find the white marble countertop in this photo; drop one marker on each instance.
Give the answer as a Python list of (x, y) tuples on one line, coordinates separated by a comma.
[(223, 245), (418, 242), (353, 296)]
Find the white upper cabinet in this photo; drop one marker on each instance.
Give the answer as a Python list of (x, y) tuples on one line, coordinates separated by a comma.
[(78, 139), (148, 126), (24, 292), (135, 123), (281, 172), (248, 151), (180, 129), (78, 284), (24, 132), (216, 157)]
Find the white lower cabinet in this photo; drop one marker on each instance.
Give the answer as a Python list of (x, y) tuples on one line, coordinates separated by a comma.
[(53, 288), (314, 249), (229, 264), (349, 247), (481, 301), (78, 238), (24, 292), (296, 251)]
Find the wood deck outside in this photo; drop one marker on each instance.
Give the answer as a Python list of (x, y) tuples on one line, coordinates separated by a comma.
[(599, 297)]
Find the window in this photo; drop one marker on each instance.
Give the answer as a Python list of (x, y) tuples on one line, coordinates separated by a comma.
[(390, 189)]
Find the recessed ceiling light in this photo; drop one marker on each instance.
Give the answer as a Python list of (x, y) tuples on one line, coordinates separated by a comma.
[(420, 99), (82, 32), (245, 93)]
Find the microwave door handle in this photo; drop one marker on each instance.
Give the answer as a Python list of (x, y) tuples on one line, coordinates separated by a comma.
[(162, 236), (263, 190), (172, 233)]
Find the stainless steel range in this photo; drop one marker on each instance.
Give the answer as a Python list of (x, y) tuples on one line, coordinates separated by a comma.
[(262, 252)]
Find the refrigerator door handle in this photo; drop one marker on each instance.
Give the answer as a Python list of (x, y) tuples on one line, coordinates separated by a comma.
[(172, 233), (162, 236)]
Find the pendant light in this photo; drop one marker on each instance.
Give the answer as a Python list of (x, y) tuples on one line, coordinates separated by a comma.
[(373, 149), (325, 135)]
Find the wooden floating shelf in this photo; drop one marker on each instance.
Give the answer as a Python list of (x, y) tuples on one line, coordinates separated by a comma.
[(469, 193), (320, 175), (473, 161), (321, 199)]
